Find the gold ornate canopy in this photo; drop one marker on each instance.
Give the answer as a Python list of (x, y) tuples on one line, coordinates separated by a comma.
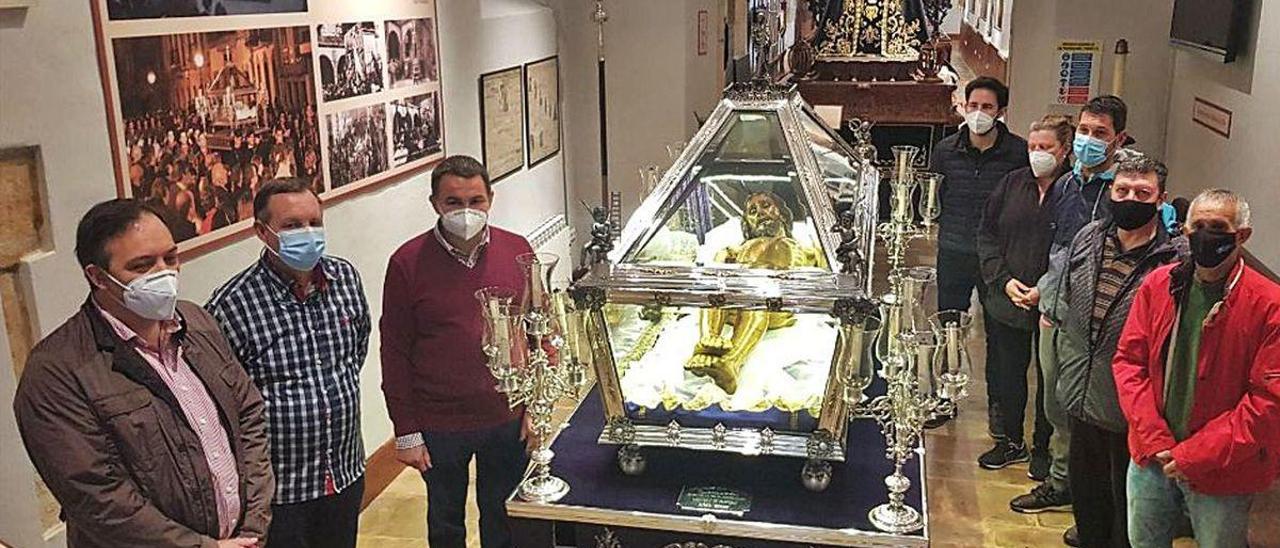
[(869, 28)]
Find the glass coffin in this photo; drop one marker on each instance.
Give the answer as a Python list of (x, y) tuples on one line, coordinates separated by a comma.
[(727, 317)]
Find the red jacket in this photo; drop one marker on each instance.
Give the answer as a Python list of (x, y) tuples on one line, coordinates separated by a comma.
[(1234, 447)]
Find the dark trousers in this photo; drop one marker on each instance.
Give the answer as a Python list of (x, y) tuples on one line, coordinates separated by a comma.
[(327, 522), (1098, 464), (500, 465), (959, 274), (1011, 349), (1044, 428)]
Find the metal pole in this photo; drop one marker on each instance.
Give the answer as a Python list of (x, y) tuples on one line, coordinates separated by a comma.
[(599, 17)]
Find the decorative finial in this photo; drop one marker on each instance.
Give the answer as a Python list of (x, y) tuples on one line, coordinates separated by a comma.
[(599, 16)]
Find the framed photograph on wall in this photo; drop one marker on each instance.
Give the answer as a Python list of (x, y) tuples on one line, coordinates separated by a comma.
[(351, 59), (123, 10), (502, 118), (415, 128), (542, 108), (207, 100)]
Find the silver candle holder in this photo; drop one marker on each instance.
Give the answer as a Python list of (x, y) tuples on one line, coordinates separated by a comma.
[(898, 232), (930, 184), (925, 365), (538, 351)]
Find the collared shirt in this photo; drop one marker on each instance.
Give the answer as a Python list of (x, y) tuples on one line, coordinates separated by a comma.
[(467, 259), (201, 413), (304, 351)]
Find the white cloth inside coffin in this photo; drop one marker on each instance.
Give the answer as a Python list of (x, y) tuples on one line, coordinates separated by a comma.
[(788, 370)]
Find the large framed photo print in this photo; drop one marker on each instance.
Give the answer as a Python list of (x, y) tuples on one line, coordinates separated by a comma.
[(502, 121), (207, 100), (542, 108), (120, 10)]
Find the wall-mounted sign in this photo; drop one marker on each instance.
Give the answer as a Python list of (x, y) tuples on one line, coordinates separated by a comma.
[(1212, 117), (1078, 66), (703, 23)]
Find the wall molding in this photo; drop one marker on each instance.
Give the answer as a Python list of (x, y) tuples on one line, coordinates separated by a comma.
[(380, 470)]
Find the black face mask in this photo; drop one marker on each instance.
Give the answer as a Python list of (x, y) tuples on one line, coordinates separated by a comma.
[(1210, 247), (1131, 215)]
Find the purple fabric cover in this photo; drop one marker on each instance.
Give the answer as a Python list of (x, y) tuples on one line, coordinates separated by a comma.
[(773, 482)]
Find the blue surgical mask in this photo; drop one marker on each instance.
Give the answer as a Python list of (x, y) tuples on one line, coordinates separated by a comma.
[(300, 248), (1090, 151)]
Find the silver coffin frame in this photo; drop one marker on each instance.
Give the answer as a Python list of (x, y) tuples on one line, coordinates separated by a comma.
[(701, 286)]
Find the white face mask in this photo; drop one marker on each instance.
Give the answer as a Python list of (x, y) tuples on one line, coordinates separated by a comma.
[(979, 122), (154, 296), (464, 223), (1043, 163)]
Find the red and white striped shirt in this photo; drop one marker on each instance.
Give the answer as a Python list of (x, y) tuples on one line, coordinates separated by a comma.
[(201, 413)]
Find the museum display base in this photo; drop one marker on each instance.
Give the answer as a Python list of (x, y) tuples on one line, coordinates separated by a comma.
[(605, 508)]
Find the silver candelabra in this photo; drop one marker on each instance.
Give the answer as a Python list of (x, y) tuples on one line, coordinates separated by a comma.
[(538, 349), (925, 365)]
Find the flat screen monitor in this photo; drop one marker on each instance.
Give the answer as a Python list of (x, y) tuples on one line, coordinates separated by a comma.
[(1214, 26)]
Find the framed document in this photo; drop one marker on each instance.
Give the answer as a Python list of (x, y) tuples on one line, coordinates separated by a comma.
[(542, 105), (502, 119)]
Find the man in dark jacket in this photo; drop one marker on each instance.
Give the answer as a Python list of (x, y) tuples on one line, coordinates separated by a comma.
[(973, 161), (1078, 198), (135, 411), (1105, 265)]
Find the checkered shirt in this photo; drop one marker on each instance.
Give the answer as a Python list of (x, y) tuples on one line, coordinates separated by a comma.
[(305, 356)]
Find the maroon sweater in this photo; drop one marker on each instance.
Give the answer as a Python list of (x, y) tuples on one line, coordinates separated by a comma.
[(434, 373)]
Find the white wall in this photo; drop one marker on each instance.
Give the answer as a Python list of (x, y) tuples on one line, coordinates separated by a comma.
[(1246, 163), (1031, 86), (1036, 28), (703, 81), (655, 81), (951, 24), (52, 97), (984, 24)]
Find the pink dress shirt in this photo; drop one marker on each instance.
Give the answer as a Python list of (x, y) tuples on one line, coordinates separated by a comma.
[(201, 413)]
